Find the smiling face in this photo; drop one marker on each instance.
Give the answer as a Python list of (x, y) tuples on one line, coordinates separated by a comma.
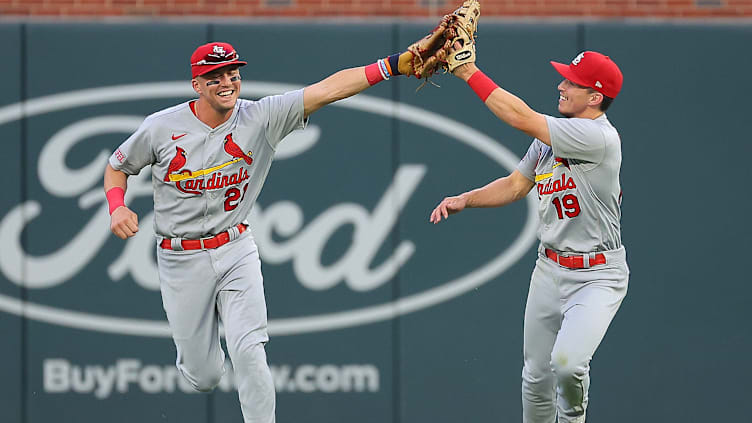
[(578, 101), (219, 88)]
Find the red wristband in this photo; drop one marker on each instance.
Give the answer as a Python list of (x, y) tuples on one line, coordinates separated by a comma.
[(482, 85), (373, 74), (116, 198)]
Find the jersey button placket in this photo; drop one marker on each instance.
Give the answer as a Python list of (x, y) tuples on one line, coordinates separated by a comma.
[(207, 200)]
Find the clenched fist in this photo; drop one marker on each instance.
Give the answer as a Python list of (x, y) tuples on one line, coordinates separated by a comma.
[(124, 222)]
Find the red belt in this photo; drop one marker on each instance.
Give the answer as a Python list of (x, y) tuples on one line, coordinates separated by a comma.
[(199, 244), (576, 262)]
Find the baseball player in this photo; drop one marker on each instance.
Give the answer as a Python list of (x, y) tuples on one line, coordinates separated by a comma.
[(580, 277), (209, 158)]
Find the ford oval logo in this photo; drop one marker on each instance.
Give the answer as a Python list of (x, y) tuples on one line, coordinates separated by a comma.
[(45, 271)]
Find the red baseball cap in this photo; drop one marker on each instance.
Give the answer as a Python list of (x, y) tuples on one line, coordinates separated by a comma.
[(212, 56), (594, 70)]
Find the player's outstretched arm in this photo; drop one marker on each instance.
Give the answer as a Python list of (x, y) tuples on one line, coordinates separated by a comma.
[(460, 62), (421, 59), (498, 193), (342, 84), (505, 105), (123, 221)]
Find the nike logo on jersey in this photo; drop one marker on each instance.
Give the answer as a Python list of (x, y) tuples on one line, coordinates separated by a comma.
[(178, 137)]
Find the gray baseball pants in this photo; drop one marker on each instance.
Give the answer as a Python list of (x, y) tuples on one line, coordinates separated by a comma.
[(200, 287), (567, 314)]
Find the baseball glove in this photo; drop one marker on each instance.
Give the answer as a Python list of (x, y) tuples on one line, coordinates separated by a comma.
[(424, 56), (463, 29)]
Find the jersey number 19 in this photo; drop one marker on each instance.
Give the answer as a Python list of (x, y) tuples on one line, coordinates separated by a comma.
[(567, 205)]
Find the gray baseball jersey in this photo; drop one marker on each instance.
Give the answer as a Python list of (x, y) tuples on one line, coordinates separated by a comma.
[(577, 180), (206, 180)]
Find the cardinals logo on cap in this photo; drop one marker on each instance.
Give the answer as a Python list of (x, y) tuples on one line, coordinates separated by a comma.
[(219, 53), (209, 57), (594, 70)]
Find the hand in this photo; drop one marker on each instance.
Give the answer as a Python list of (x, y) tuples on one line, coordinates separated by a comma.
[(449, 205), (463, 30), (123, 222), (424, 56)]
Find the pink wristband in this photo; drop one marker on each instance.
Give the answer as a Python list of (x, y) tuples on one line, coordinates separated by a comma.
[(373, 74), (116, 198), (482, 85)]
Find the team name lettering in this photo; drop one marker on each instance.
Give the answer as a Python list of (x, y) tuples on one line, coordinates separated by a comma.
[(217, 181), (555, 185)]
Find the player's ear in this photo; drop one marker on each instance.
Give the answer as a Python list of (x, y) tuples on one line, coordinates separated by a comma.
[(596, 98), (196, 86)]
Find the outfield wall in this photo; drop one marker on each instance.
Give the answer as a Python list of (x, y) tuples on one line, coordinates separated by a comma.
[(414, 322)]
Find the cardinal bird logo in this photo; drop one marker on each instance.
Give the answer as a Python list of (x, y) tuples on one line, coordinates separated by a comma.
[(232, 149), (565, 162), (176, 163)]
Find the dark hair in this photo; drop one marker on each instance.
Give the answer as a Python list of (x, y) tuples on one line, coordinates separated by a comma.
[(606, 103)]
